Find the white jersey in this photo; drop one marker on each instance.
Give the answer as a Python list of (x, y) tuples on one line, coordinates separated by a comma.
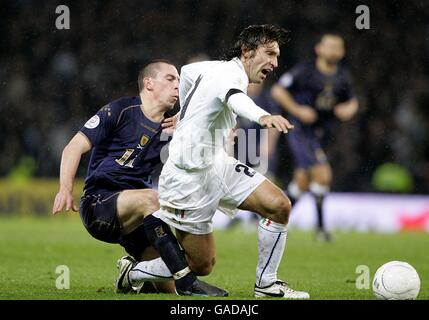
[(205, 118)]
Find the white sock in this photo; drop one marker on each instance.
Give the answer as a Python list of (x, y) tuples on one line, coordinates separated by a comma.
[(318, 189), (152, 270), (294, 191), (271, 245)]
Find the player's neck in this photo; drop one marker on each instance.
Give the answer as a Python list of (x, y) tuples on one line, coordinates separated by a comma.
[(151, 110), (324, 67)]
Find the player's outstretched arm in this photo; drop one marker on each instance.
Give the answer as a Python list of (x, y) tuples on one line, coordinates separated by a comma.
[(245, 107), (70, 160)]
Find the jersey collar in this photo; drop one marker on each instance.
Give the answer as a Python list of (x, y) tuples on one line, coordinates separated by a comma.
[(239, 64)]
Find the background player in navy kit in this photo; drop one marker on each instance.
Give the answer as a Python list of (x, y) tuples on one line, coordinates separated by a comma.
[(125, 138), (313, 94)]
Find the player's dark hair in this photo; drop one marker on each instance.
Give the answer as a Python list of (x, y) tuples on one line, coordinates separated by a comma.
[(321, 35), (150, 69), (255, 35)]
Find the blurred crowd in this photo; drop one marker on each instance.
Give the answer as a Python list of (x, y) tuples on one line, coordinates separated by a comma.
[(52, 81)]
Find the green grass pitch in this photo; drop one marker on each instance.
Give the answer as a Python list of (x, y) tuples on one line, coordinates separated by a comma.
[(32, 248)]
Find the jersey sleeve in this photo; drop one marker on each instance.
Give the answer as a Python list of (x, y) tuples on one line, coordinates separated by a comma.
[(98, 127)]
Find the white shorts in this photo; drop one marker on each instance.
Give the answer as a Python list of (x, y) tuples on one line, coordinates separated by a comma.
[(189, 199)]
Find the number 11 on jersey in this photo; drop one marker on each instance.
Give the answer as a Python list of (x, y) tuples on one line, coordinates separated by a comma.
[(127, 154)]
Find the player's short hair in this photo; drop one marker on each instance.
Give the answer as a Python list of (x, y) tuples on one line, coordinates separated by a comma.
[(322, 35), (255, 35), (150, 69)]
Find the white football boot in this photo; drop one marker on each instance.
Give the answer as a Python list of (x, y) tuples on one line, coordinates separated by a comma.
[(279, 289), (124, 265)]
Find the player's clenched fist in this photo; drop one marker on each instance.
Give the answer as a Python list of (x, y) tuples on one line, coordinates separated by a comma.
[(278, 122)]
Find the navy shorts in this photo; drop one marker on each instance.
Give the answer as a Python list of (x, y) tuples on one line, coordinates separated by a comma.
[(306, 147), (98, 212)]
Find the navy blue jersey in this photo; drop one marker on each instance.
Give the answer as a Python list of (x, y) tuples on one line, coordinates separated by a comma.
[(126, 147), (309, 86)]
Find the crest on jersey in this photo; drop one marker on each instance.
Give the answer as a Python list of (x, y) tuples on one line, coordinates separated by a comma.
[(144, 139), (93, 122)]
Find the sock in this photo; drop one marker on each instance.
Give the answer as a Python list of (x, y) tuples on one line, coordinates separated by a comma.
[(271, 245), (293, 192), (319, 191), (152, 270), (163, 240)]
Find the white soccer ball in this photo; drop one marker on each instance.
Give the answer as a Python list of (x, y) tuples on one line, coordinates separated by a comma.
[(396, 280)]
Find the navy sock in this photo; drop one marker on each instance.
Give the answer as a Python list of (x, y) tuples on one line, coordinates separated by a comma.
[(163, 240), (319, 207)]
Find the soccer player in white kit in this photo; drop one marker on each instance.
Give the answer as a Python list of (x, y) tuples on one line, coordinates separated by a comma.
[(199, 177)]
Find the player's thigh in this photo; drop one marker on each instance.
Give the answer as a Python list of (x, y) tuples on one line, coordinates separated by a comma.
[(322, 174), (98, 212), (301, 177), (269, 201), (134, 205), (200, 251)]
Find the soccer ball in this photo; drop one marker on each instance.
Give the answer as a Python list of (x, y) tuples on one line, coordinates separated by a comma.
[(396, 280)]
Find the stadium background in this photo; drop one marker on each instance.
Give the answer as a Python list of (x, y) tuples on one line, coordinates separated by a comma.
[(52, 81)]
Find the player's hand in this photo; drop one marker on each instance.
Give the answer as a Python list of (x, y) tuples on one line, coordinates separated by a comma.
[(169, 124), (64, 200), (306, 114), (278, 122), (345, 111)]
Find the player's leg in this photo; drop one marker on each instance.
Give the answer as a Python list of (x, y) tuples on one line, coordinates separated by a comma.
[(200, 251), (105, 215), (249, 190), (135, 207), (133, 273), (300, 144), (149, 273), (150, 254), (186, 282), (174, 186), (321, 179), (271, 203), (299, 184)]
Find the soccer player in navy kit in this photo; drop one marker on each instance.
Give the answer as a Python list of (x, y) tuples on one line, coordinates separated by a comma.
[(313, 94), (126, 141)]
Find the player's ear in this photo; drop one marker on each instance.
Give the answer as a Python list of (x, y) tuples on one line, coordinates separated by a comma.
[(148, 83), (246, 52)]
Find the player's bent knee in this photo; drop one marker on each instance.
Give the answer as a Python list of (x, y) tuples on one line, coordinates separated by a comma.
[(150, 200), (203, 267), (281, 209)]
